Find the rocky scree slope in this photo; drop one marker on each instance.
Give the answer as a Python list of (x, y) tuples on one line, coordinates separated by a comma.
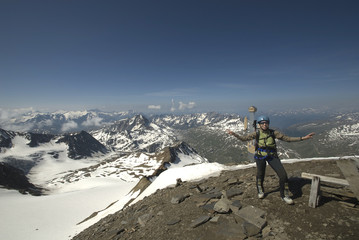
[(226, 207)]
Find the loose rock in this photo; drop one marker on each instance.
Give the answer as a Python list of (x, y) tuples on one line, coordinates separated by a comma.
[(199, 221)]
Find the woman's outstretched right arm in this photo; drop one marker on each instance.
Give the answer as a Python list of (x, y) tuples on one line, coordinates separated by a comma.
[(244, 138)]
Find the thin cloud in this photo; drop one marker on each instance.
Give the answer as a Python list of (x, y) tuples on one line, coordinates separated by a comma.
[(185, 106), (45, 123), (18, 128), (68, 126), (155, 107), (7, 114), (95, 121), (7, 117)]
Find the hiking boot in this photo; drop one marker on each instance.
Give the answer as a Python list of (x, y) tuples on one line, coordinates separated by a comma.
[(260, 192), (261, 195), (288, 200)]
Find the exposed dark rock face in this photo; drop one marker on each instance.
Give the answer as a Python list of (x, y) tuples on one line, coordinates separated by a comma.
[(82, 145), (37, 138), (13, 178), (21, 164), (5, 138)]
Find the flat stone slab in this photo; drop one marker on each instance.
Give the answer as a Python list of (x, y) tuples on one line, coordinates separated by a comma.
[(235, 206), (253, 215), (179, 198), (173, 221), (234, 192), (225, 228), (199, 221), (250, 229), (202, 199), (209, 207)]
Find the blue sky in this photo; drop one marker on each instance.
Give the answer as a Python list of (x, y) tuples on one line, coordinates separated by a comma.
[(189, 55)]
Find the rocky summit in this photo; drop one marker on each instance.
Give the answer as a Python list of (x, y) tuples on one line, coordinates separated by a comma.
[(227, 207)]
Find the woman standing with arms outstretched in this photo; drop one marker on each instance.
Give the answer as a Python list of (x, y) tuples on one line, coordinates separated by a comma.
[(266, 151)]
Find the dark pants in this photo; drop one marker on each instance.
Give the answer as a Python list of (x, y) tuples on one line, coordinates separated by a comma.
[(278, 168)]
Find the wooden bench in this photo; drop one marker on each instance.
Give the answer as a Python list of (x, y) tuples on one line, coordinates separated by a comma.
[(314, 196), (349, 168)]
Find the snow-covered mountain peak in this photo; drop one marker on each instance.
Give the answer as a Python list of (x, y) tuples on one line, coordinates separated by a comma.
[(135, 134), (76, 114), (186, 121), (137, 122)]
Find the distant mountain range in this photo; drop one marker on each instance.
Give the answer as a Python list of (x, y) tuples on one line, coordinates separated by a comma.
[(204, 132), (61, 121), (128, 132), (336, 135)]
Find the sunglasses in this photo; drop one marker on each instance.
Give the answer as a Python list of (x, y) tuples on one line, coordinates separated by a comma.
[(261, 123)]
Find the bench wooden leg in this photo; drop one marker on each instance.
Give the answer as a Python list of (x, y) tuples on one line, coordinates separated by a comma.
[(314, 192)]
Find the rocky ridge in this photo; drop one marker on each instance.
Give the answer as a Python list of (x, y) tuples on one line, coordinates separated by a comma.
[(226, 207)]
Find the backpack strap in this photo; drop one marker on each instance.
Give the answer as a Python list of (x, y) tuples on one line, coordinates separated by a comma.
[(271, 133)]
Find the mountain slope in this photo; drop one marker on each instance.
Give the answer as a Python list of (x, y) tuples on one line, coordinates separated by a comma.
[(135, 134), (13, 178), (188, 210), (79, 192), (28, 151), (336, 136), (82, 145)]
